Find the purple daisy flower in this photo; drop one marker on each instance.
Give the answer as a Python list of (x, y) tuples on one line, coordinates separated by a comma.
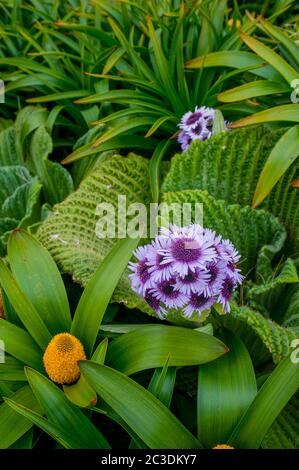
[(188, 268), (200, 130), (158, 267), (140, 278), (198, 303), (155, 304), (217, 273), (189, 251), (165, 292), (185, 140), (194, 281), (196, 125), (234, 273), (227, 288), (190, 118), (227, 251)]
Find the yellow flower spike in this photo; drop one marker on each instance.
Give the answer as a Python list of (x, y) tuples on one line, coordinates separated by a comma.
[(223, 446), (230, 23), (61, 358)]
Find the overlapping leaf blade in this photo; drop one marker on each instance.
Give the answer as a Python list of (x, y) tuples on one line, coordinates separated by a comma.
[(63, 413), (226, 387), (137, 351), (143, 412), (39, 278)]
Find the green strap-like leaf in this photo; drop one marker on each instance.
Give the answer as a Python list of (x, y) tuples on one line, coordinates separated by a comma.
[(24, 308), (162, 383), (98, 292), (20, 345), (268, 403), (281, 37), (226, 387), (234, 59), (12, 425), (284, 153), (252, 90), (144, 413), (40, 280), (61, 412), (285, 112), (137, 351), (277, 62), (64, 438), (12, 369)]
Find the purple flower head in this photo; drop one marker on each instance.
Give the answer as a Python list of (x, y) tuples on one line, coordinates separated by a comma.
[(140, 278), (189, 250), (217, 273), (155, 304), (198, 303), (200, 130), (166, 292), (158, 267), (190, 118), (226, 250), (186, 268), (227, 288), (196, 125), (185, 140), (194, 281)]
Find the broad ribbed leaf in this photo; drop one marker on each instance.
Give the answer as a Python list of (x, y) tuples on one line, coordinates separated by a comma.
[(19, 200), (256, 246), (40, 280), (144, 413), (9, 153), (228, 167), (284, 432), (63, 413), (70, 233), (259, 333), (226, 387), (56, 180), (137, 351), (12, 425)]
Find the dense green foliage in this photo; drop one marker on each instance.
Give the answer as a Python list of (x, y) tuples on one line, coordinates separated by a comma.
[(101, 87)]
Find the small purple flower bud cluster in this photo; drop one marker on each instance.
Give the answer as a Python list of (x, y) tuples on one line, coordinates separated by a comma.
[(196, 125), (189, 268)]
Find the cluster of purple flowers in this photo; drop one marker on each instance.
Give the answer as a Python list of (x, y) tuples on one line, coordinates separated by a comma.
[(189, 268), (196, 125)]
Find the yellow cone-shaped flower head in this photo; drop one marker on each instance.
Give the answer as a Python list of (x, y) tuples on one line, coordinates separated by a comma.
[(223, 446), (61, 358)]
